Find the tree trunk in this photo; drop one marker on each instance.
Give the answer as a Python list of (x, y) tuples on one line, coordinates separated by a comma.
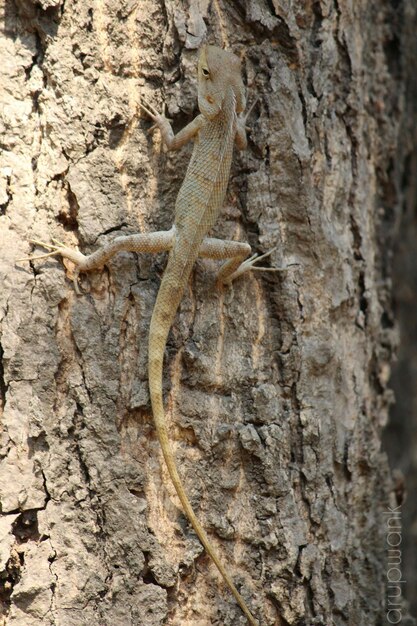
[(276, 389)]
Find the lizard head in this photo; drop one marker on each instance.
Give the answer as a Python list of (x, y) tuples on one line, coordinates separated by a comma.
[(218, 72)]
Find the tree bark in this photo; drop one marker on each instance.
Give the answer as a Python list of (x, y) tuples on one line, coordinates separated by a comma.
[(277, 390)]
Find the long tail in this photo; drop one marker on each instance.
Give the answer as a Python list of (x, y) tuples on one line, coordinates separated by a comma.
[(169, 296)]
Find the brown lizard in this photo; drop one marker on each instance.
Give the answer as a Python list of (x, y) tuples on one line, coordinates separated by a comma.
[(219, 127)]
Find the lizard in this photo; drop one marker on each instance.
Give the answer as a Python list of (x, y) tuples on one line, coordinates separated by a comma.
[(216, 130)]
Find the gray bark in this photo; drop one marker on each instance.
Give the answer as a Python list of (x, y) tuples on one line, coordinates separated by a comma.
[(277, 390), (400, 437)]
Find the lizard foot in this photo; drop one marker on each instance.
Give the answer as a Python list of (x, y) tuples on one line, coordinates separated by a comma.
[(249, 266), (55, 249), (155, 116), (245, 117)]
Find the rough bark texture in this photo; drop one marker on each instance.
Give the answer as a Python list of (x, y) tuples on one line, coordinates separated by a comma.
[(277, 390)]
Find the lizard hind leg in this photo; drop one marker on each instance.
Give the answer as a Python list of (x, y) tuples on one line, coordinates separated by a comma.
[(234, 252), (140, 242)]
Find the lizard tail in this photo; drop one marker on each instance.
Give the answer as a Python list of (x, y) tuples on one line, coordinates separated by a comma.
[(161, 321)]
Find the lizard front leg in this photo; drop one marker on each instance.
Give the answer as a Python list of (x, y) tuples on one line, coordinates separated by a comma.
[(172, 141), (161, 241)]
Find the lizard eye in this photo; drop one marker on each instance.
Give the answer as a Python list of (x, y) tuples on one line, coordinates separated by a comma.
[(205, 71)]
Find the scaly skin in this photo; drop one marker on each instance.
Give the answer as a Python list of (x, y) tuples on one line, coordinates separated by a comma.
[(197, 207)]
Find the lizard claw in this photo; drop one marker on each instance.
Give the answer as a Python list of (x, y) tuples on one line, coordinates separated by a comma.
[(255, 258), (54, 249), (249, 111), (249, 265), (151, 111), (153, 114), (75, 281), (148, 109)]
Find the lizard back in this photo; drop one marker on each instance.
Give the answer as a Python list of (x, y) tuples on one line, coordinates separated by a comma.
[(202, 193), (197, 207)]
